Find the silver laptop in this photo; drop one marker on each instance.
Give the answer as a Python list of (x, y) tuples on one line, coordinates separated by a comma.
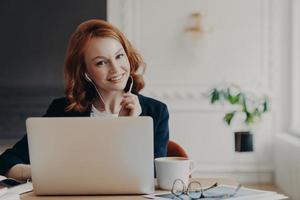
[(82, 155)]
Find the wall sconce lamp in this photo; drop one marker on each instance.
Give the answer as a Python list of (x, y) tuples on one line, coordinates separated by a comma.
[(194, 29)]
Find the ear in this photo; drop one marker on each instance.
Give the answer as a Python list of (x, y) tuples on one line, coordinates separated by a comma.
[(87, 77)]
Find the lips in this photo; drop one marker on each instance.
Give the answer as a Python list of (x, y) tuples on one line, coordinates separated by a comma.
[(116, 78)]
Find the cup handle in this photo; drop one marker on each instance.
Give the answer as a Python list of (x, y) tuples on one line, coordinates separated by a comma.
[(193, 167)]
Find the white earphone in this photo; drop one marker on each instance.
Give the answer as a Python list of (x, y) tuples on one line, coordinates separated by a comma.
[(87, 77), (90, 80), (99, 94), (131, 84)]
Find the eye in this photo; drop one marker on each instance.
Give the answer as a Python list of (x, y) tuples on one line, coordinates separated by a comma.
[(101, 63), (120, 55)]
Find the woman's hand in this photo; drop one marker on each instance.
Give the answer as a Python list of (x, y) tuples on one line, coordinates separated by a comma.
[(130, 105), (19, 172)]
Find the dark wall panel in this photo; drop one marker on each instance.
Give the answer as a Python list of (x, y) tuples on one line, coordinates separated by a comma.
[(33, 37)]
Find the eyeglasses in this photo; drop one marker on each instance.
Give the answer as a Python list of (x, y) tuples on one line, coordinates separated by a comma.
[(194, 190)]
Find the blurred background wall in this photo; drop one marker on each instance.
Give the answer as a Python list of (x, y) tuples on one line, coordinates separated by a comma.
[(241, 42), (34, 37)]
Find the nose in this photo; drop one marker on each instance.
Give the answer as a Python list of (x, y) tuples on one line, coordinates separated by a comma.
[(114, 67)]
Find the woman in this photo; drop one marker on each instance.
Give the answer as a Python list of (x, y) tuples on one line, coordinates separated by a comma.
[(101, 79)]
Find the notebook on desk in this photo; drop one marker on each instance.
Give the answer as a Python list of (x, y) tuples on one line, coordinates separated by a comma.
[(71, 156)]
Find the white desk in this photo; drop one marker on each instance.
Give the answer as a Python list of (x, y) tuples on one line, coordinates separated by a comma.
[(204, 182)]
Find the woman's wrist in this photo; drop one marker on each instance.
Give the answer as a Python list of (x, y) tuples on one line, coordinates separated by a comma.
[(26, 172), (20, 172)]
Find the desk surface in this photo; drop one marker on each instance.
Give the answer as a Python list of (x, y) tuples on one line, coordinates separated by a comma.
[(204, 182)]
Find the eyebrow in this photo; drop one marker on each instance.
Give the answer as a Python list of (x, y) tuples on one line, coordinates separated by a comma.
[(105, 57), (119, 50)]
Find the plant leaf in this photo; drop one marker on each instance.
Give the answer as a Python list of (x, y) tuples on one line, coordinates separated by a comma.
[(249, 118), (256, 112), (244, 107), (234, 99), (265, 106), (215, 96), (228, 117)]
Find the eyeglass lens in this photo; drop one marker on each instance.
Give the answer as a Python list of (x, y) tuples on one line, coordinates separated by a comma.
[(178, 187), (194, 190)]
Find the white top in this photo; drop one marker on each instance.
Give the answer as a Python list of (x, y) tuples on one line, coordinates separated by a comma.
[(97, 113)]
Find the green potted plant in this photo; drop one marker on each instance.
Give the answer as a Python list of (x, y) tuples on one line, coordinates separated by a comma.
[(239, 103)]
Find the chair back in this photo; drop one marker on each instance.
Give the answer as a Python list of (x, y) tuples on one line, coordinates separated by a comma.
[(175, 150)]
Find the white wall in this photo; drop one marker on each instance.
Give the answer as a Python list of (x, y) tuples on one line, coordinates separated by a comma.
[(287, 144), (295, 85), (287, 164), (245, 43)]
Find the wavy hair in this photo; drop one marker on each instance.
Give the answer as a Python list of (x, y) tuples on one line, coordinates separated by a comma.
[(79, 92)]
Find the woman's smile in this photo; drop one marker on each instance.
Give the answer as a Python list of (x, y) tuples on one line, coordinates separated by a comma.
[(117, 78)]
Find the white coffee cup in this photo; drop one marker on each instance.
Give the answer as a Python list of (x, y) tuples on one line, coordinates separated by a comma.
[(168, 169)]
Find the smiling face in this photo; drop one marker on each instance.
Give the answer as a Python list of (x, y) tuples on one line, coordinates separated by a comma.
[(107, 64)]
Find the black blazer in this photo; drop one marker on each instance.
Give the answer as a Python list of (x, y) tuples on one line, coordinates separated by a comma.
[(150, 107)]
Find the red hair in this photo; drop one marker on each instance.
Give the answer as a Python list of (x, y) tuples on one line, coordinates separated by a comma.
[(79, 92)]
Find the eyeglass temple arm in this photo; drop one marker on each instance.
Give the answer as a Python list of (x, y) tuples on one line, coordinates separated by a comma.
[(213, 186), (228, 195), (237, 189)]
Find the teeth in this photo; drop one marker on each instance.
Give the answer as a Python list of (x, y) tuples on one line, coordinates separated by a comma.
[(116, 78)]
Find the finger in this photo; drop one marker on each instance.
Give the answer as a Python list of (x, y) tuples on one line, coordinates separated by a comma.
[(133, 110), (129, 103), (130, 106), (128, 100), (130, 95)]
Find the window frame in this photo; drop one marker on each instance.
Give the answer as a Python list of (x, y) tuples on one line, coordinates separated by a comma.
[(295, 69)]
